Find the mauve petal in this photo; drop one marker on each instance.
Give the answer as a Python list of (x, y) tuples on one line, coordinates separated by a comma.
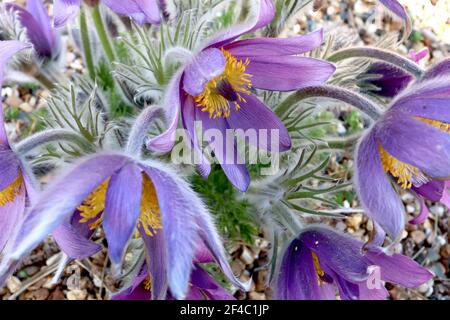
[(423, 215), (166, 140), (399, 269), (40, 14), (202, 254), (73, 243), (122, 209), (395, 7), (156, 262), (388, 79), (9, 168), (340, 252), (188, 120), (138, 293), (374, 189), (179, 207), (297, 279), (431, 190), (60, 199), (347, 290), (143, 11), (208, 286), (287, 73), (233, 167), (416, 143), (207, 65), (255, 115), (65, 10), (372, 294), (438, 70), (276, 46), (11, 215), (263, 16), (7, 50)]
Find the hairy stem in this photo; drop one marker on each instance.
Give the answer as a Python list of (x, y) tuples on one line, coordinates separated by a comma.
[(86, 44), (355, 99), (140, 128), (49, 136), (380, 54), (102, 34)]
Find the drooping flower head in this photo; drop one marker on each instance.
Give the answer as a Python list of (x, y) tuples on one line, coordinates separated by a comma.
[(142, 11), (38, 25), (125, 195), (321, 263), (202, 285), (16, 184), (411, 143), (216, 89)]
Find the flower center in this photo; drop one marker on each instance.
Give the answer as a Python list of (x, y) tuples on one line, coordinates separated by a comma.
[(226, 88), (8, 194), (91, 210), (319, 271), (406, 174)]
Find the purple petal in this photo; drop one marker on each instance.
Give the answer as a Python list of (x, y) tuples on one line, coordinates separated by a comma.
[(257, 117), (399, 269), (208, 64), (416, 143), (388, 79), (165, 141), (263, 16), (372, 294), (44, 33), (122, 209), (61, 198), (374, 189), (179, 207), (396, 8), (297, 279), (156, 262), (423, 215), (432, 190), (64, 11), (255, 47), (188, 119), (11, 215), (340, 252), (438, 70), (73, 243), (233, 167), (7, 50), (143, 11), (206, 285), (288, 73), (9, 168)]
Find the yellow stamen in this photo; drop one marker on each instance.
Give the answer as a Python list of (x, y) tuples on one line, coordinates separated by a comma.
[(212, 101), (150, 218), (402, 171), (435, 123), (94, 205), (148, 283), (319, 271), (8, 194)]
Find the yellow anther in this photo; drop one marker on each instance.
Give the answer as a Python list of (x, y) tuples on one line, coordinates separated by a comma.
[(150, 217), (319, 271), (8, 194), (93, 206)]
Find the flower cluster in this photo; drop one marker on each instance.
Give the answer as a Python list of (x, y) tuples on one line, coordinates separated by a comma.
[(224, 80)]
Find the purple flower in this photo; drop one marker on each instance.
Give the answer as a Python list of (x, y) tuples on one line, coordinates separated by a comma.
[(216, 89), (126, 195), (387, 80), (411, 143), (142, 11), (16, 185), (202, 285), (320, 262), (397, 9), (37, 23)]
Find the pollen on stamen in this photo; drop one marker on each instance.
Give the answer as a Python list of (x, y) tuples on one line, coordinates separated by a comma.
[(406, 174), (8, 194), (319, 271), (150, 217), (94, 205), (435, 123), (212, 101)]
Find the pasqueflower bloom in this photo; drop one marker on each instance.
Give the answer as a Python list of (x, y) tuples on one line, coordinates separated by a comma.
[(202, 285), (125, 195), (38, 25), (16, 184), (216, 89), (142, 11), (410, 142), (320, 262)]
